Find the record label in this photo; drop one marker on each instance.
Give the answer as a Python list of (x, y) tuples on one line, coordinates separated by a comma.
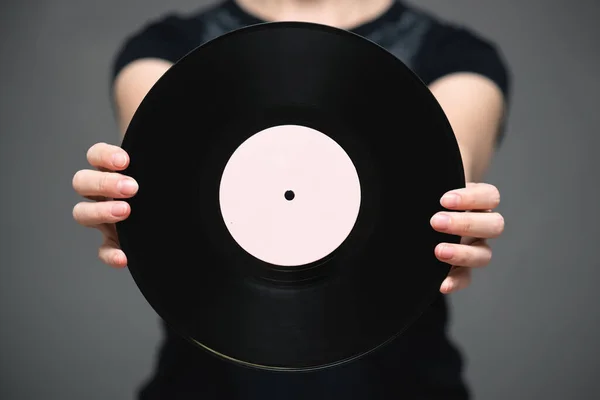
[(289, 195)]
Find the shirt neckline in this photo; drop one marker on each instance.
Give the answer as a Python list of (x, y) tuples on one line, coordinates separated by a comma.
[(364, 29)]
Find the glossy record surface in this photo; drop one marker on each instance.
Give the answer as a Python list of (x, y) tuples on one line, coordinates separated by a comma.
[(186, 262)]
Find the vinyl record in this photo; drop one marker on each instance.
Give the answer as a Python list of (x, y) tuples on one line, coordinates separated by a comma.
[(288, 173)]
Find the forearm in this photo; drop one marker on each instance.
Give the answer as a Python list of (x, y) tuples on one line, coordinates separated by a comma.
[(476, 158), (131, 86), (477, 147), (475, 108)]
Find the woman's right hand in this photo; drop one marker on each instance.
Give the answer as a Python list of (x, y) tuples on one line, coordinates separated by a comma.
[(104, 186)]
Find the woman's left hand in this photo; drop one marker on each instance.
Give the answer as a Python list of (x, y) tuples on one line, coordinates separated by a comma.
[(477, 225)]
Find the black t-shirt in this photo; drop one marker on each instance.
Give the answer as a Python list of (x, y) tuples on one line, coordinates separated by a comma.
[(423, 363)]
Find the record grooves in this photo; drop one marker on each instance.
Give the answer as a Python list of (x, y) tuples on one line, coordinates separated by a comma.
[(242, 268)]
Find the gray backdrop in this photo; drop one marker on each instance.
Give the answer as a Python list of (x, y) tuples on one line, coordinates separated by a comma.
[(71, 328)]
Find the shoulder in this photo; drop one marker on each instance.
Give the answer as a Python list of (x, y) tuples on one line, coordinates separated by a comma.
[(171, 36), (450, 48), (435, 48)]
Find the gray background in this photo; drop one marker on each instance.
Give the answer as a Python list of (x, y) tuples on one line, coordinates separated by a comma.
[(71, 328)]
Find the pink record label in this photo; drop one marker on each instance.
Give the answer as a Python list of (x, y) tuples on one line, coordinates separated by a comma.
[(289, 195)]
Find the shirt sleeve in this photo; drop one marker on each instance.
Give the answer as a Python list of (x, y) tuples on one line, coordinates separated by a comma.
[(162, 39), (449, 50)]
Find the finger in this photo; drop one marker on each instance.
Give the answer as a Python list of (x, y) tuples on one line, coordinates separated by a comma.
[(481, 225), (476, 255), (458, 278), (468, 240), (107, 156), (110, 254), (91, 214), (476, 197), (90, 183), (97, 198), (110, 232)]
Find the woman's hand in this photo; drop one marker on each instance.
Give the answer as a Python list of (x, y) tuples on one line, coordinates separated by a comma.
[(476, 225), (103, 186)]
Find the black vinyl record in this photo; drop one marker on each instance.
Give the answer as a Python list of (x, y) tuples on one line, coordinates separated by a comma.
[(288, 173)]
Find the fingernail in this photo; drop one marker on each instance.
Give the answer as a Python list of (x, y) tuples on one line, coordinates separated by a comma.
[(450, 200), (118, 260), (447, 286), (119, 160), (127, 186), (441, 221), (118, 210), (446, 252)]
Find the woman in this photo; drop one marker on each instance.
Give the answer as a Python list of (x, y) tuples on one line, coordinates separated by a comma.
[(469, 79)]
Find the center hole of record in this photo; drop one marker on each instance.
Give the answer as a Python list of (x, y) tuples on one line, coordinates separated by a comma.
[(289, 195)]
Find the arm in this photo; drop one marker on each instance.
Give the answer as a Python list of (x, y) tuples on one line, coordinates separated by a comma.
[(475, 108), (105, 181), (132, 84), (143, 59)]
